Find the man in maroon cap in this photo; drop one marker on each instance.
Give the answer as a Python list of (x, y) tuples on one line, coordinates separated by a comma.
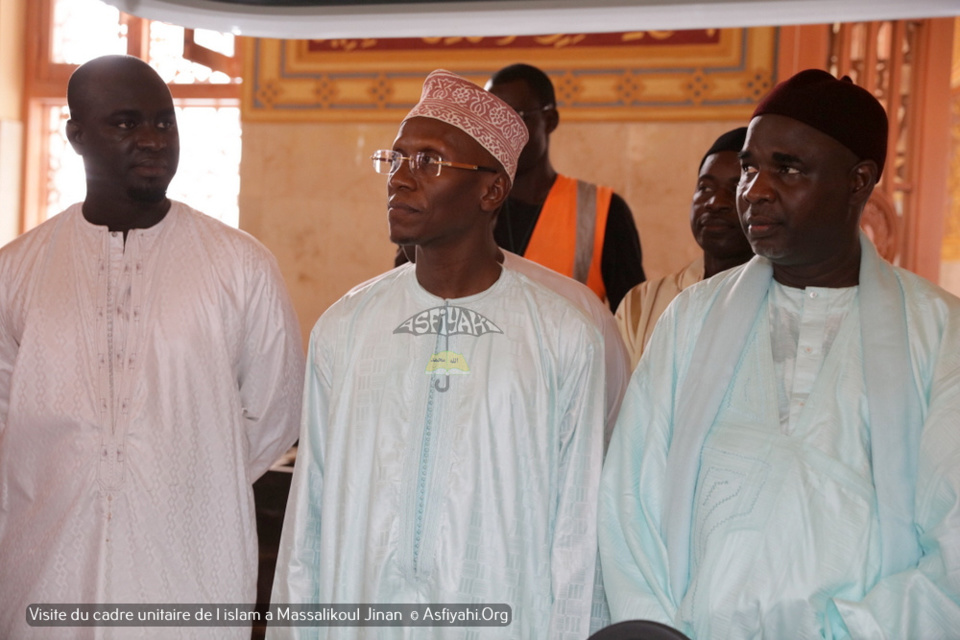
[(786, 462)]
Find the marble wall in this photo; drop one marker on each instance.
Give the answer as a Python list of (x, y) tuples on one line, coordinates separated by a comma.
[(308, 192), (637, 112)]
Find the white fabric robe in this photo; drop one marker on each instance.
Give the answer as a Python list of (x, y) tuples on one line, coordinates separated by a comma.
[(485, 492), (143, 388), (615, 358), (785, 538)]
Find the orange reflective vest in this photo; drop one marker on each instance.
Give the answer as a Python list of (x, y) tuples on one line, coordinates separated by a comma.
[(569, 234)]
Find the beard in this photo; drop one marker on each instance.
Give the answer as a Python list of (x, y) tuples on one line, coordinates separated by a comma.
[(148, 195)]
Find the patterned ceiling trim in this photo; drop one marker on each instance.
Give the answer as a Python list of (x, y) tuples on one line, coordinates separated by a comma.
[(649, 75)]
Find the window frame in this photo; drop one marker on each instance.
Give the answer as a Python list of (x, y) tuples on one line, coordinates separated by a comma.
[(45, 86)]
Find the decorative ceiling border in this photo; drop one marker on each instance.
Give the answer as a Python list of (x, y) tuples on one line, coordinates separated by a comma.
[(704, 74)]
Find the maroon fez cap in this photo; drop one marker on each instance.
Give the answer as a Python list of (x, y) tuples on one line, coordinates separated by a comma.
[(847, 113)]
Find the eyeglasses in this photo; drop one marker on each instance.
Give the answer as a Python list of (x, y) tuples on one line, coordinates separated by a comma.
[(525, 113), (387, 162)]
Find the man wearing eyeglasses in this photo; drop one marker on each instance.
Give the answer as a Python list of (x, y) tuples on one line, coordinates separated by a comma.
[(453, 423), (582, 230)]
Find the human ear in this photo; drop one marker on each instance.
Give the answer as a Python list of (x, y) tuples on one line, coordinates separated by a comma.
[(551, 119), (863, 178), (495, 193), (75, 136)]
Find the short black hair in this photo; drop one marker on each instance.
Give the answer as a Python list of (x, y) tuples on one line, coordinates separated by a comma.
[(730, 141), (537, 80)]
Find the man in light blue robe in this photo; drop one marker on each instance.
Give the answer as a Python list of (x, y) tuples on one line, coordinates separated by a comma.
[(786, 463), (452, 434)]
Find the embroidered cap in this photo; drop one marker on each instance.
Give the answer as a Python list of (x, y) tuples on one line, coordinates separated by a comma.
[(480, 114), (849, 114)]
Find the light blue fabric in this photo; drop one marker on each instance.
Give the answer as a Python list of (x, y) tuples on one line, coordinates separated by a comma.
[(895, 415), (450, 453), (891, 396), (786, 537), (718, 351)]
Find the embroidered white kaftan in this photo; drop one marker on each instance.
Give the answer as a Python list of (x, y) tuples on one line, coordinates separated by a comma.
[(144, 386), (785, 538), (616, 360), (450, 453)]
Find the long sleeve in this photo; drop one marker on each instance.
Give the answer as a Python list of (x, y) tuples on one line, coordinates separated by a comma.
[(786, 537), (632, 551), (484, 490), (15, 267), (271, 367), (8, 355), (622, 258), (617, 378), (923, 602), (299, 552), (573, 554)]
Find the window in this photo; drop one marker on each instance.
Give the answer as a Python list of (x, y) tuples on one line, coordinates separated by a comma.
[(202, 70)]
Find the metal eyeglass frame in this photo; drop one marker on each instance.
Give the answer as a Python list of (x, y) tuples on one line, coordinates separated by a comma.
[(523, 113), (418, 162)]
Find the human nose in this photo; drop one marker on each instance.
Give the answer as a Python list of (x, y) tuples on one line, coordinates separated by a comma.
[(755, 187), (721, 200), (153, 138), (403, 176)]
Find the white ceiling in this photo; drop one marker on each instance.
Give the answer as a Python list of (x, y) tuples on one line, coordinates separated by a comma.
[(518, 17)]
